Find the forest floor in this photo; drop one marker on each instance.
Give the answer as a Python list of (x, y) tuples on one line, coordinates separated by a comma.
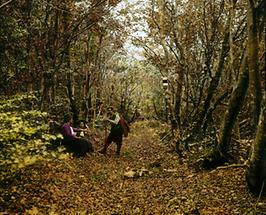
[(146, 179)]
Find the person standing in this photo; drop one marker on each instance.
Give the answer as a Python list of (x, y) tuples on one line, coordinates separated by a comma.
[(116, 132)]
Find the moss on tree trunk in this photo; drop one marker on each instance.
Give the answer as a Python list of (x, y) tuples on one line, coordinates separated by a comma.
[(253, 61), (256, 172)]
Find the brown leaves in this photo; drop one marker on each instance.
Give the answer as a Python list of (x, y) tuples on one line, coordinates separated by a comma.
[(32, 211), (145, 179), (137, 173), (113, 2)]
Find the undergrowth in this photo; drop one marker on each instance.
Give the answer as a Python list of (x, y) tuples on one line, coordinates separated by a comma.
[(24, 136)]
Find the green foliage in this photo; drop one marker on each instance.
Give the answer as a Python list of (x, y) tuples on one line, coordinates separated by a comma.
[(12, 49), (24, 137), (18, 102)]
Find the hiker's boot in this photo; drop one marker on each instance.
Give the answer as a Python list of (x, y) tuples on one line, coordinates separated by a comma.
[(118, 149)]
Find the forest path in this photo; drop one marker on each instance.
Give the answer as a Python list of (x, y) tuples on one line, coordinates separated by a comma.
[(97, 184)]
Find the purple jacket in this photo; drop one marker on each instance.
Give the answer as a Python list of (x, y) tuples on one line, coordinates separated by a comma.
[(67, 133)]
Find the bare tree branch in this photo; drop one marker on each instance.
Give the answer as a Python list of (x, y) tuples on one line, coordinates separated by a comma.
[(5, 4)]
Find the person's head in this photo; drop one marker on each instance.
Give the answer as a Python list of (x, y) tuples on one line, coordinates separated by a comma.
[(68, 118), (111, 109), (82, 123)]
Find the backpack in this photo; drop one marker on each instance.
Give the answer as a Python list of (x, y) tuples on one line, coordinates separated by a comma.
[(124, 125)]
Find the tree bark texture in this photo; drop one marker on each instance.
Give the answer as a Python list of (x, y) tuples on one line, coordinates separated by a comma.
[(253, 61), (202, 115), (216, 79), (67, 62), (220, 153), (256, 172)]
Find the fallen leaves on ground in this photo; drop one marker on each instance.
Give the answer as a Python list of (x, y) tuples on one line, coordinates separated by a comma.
[(145, 179)]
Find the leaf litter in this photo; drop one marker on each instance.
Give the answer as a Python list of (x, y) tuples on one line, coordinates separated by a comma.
[(145, 179)]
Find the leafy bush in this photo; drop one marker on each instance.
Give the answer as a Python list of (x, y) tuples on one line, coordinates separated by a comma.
[(19, 102), (24, 137)]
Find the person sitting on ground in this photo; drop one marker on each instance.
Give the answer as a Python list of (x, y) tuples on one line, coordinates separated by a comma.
[(83, 129), (116, 132), (79, 146)]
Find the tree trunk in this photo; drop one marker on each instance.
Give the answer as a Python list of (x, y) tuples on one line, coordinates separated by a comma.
[(72, 100), (67, 62), (220, 153), (86, 93), (178, 96), (256, 172), (46, 90), (253, 59), (212, 109), (215, 80), (202, 116), (29, 60)]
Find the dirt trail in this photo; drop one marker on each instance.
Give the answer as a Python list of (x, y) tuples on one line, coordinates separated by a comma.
[(161, 185)]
